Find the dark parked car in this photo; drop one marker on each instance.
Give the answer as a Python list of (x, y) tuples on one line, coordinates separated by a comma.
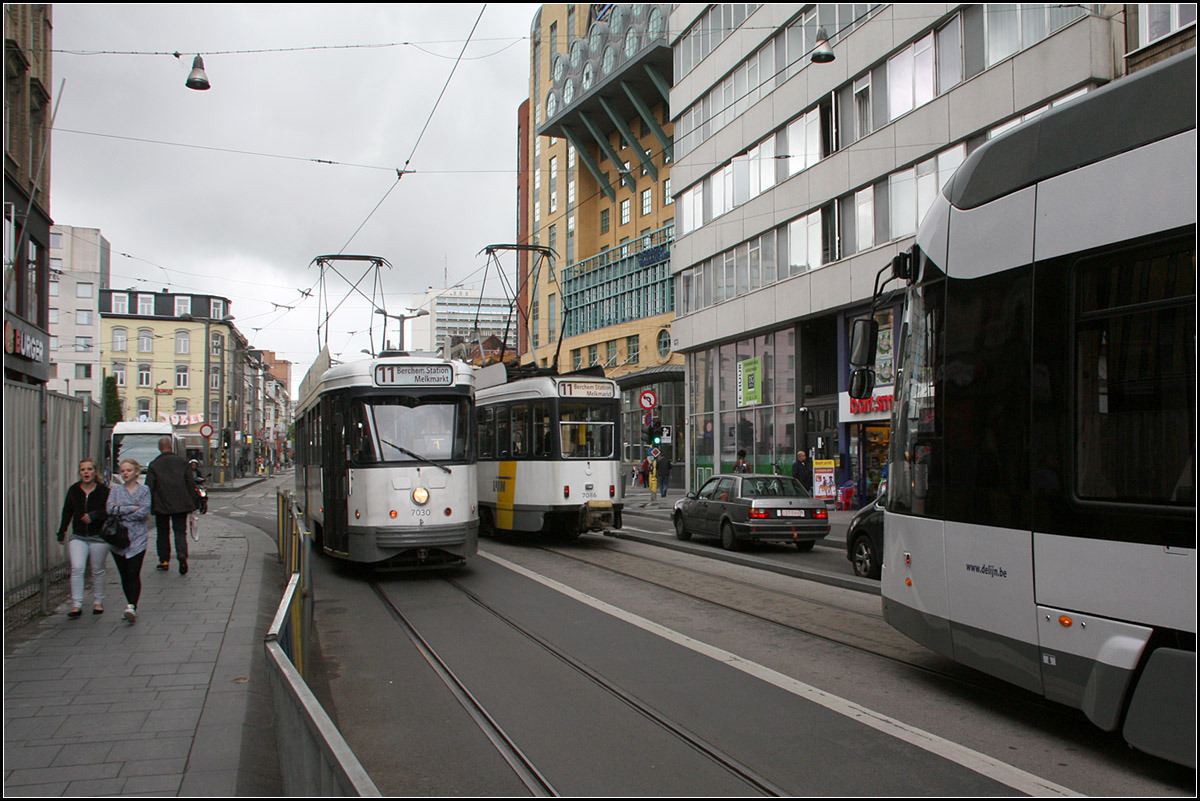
[(752, 508), (864, 539)]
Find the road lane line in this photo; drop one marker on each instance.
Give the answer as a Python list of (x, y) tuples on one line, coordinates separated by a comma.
[(1002, 772)]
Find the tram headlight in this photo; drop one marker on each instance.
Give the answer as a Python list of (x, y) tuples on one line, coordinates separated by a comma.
[(420, 496)]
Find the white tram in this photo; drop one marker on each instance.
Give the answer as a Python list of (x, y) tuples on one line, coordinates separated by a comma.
[(548, 453), (385, 463), (1041, 521)]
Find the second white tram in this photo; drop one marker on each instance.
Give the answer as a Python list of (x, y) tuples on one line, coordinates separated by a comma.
[(1041, 521), (549, 455), (385, 463)]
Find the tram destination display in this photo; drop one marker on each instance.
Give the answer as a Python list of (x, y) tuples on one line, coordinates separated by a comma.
[(413, 375)]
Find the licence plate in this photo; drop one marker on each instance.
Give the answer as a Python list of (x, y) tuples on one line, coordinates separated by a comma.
[(791, 513)]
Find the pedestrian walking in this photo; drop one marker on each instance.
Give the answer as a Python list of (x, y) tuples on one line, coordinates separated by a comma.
[(664, 474), (802, 470), (644, 471), (172, 496), (84, 511), (131, 501)]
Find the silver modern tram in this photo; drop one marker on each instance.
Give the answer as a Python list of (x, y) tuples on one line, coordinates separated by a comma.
[(1041, 521), (548, 453), (385, 462)]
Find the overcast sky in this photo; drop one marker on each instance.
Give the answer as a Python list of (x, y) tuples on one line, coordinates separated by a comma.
[(221, 192)]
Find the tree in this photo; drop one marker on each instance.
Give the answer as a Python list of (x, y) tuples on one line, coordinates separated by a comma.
[(112, 401)]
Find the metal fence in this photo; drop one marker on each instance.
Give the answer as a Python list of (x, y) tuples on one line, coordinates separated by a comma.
[(314, 758), (45, 436)]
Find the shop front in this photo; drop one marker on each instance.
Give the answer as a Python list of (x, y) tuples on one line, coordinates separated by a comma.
[(868, 429)]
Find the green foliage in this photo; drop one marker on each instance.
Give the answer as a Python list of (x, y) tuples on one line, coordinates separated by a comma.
[(112, 401)]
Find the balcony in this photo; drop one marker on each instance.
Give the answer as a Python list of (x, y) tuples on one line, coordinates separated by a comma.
[(628, 283)]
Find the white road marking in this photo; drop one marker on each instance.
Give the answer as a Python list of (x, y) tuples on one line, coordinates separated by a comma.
[(1006, 774)]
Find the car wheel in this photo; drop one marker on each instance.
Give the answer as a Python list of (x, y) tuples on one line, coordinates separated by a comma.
[(866, 561), (680, 529), (805, 545), (728, 541)]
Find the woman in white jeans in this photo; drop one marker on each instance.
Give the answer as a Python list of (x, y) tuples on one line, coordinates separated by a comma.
[(84, 511)]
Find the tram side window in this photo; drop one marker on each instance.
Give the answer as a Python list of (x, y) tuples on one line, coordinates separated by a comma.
[(503, 428), (1135, 376), (542, 443), (520, 430), (487, 433)]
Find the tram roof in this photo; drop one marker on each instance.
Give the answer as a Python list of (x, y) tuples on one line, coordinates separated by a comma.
[(361, 373), (552, 387), (1153, 104)]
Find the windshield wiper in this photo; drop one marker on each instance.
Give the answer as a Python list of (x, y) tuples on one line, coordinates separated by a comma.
[(414, 455)]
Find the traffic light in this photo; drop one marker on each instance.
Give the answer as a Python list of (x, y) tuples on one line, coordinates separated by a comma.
[(656, 433)]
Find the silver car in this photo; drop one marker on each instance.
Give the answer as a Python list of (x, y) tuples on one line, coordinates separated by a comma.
[(752, 507)]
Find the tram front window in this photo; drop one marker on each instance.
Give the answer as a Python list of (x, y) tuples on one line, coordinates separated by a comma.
[(588, 430), (411, 429)]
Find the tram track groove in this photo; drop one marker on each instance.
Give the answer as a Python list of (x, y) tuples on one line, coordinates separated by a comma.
[(726, 760), (1000, 689), (512, 754)]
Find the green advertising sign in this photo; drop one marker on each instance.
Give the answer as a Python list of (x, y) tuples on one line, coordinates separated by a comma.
[(749, 382)]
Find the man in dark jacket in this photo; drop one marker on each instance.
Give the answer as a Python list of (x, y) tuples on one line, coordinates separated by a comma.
[(802, 470), (663, 473), (172, 495)]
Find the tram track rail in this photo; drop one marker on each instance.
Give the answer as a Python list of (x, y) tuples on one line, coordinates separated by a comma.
[(528, 773), (997, 688)]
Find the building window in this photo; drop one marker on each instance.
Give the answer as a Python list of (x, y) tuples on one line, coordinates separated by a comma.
[(83, 317), (143, 407), (53, 284), (593, 355), (181, 406), (143, 375), (145, 340), (183, 305), (181, 376), (647, 201), (118, 370), (604, 221), (610, 353), (664, 343), (146, 305), (214, 378), (53, 318), (120, 340), (911, 77), (84, 290), (667, 199), (576, 359), (1158, 20), (631, 350), (83, 344), (83, 371), (216, 309), (120, 303), (216, 344), (553, 184), (183, 342), (625, 215)]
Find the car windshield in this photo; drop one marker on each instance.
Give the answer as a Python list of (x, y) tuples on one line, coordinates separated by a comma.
[(773, 487)]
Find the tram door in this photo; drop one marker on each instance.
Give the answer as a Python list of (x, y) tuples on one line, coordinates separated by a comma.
[(334, 476)]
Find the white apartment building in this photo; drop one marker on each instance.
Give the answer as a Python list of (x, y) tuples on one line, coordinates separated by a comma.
[(79, 269), (458, 312)]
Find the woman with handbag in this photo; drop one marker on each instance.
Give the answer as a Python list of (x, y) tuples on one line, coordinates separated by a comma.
[(84, 511), (131, 501)]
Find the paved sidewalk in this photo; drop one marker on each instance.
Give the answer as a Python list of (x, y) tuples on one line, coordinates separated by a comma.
[(177, 704)]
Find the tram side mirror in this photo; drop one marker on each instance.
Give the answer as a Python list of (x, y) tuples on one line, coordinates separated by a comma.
[(862, 383), (902, 266), (863, 342)]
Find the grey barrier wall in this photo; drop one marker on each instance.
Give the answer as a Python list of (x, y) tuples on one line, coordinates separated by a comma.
[(314, 758), (45, 436)]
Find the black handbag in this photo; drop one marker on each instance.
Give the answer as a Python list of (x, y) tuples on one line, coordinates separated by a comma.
[(113, 532)]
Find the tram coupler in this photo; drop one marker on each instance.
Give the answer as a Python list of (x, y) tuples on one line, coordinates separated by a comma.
[(596, 516)]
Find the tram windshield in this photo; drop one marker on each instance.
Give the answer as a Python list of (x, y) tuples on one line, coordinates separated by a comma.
[(588, 430), (411, 430)]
